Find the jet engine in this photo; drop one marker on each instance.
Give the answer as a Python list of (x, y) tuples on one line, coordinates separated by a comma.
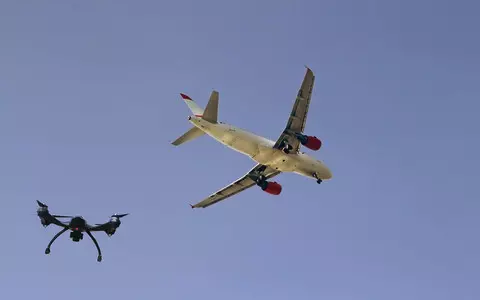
[(271, 187), (311, 142)]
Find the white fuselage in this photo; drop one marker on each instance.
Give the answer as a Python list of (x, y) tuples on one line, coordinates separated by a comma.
[(261, 149)]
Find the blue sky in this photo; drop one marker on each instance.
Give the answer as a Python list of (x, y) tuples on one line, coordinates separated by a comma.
[(89, 103)]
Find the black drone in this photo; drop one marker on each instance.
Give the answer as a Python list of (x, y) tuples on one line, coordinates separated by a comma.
[(77, 225)]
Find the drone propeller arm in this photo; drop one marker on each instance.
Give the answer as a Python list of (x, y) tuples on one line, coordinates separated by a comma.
[(47, 251), (99, 258)]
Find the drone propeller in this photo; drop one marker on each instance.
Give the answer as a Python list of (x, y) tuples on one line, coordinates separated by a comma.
[(119, 215), (56, 216), (114, 216), (41, 204)]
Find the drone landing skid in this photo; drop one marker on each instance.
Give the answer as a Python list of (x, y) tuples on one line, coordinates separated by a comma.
[(99, 257)]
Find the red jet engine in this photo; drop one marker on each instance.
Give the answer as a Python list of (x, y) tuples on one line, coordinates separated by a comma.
[(271, 187), (311, 142)]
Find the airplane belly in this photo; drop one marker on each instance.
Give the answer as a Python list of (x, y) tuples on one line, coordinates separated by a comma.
[(277, 159), (235, 140), (295, 163), (307, 166), (243, 143), (265, 154), (257, 148)]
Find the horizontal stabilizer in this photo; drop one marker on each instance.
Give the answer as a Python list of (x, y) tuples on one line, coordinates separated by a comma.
[(193, 133)]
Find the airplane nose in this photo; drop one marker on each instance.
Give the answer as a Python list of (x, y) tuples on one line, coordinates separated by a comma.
[(327, 172)]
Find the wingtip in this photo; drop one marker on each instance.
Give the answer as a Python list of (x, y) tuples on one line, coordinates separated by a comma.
[(191, 205), (185, 97)]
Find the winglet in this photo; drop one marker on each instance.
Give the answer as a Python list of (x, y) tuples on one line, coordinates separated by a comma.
[(185, 97), (308, 69), (194, 108)]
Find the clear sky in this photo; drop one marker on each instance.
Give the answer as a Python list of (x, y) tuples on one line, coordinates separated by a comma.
[(89, 103)]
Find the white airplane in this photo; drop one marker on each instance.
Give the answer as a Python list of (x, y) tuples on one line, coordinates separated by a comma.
[(272, 157)]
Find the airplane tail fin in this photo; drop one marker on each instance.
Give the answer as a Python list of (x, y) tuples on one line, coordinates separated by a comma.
[(211, 110), (210, 114), (191, 134), (196, 110)]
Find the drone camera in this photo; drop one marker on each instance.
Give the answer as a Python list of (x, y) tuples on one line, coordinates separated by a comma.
[(76, 236)]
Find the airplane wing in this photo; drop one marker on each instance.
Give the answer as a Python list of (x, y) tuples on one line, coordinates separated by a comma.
[(237, 186), (298, 116)]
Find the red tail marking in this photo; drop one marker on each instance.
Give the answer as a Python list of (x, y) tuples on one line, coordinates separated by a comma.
[(185, 97)]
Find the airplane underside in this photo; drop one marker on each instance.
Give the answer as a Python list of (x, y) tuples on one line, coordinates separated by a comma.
[(299, 164), (272, 157), (261, 151)]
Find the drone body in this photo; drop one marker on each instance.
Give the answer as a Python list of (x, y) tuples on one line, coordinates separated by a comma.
[(77, 225)]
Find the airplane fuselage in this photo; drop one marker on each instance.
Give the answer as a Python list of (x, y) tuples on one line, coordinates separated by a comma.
[(261, 149)]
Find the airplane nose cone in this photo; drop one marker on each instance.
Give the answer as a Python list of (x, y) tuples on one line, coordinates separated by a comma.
[(327, 174)]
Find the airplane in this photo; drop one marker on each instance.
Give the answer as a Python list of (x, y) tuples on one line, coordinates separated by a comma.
[(272, 157), (77, 225)]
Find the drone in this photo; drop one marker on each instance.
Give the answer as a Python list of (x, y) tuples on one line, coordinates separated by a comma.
[(77, 225)]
